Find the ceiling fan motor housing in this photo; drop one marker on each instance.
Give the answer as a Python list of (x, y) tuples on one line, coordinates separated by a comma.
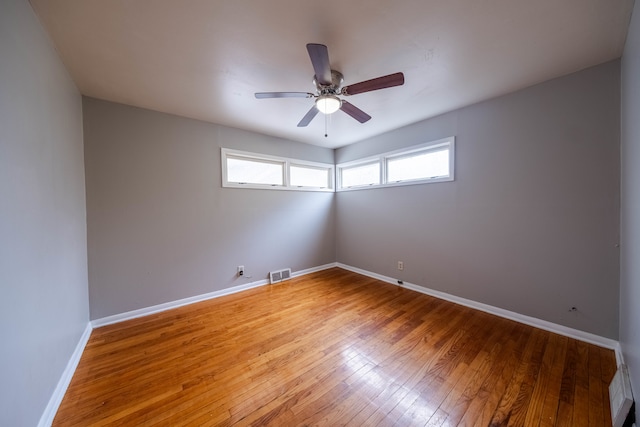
[(336, 81)]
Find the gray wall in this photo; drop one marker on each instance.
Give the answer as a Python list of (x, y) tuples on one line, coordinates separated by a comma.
[(161, 227), (531, 222), (44, 307), (630, 205)]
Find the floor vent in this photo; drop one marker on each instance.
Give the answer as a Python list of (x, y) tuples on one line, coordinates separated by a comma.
[(280, 275), (620, 398)]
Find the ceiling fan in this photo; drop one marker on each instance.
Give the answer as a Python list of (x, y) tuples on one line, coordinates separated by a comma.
[(328, 86)]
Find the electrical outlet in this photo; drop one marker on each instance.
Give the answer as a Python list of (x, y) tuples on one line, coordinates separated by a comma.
[(400, 265), (241, 270)]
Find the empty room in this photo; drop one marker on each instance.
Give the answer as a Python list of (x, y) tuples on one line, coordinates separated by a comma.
[(297, 213)]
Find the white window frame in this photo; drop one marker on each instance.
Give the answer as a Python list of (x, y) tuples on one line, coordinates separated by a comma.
[(285, 161), (445, 143)]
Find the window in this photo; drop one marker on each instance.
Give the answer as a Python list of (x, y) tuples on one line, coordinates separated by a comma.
[(425, 163), (254, 171), (361, 175), (310, 176), (250, 170), (420, 165)]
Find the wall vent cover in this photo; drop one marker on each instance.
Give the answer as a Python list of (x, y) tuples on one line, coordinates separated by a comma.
[(620, 397), (280, 275)]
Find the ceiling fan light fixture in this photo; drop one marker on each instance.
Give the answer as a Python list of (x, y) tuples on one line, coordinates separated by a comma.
[(328, 104)]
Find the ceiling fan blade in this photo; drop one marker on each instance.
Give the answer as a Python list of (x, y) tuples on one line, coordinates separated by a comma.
[(396, 79), (308, 117), (319, 55), (354, 112), (263, 95)]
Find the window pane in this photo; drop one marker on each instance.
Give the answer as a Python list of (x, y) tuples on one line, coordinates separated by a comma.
[(302, 176), (361, 175), (254, 172), (419, 166)]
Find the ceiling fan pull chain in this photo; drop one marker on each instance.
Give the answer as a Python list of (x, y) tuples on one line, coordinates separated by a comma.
[(326, 119)]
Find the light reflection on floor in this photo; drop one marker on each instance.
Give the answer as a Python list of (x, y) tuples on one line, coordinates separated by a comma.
[(387, 391)]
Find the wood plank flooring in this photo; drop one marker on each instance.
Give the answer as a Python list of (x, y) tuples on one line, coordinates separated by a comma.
[(335, 348)]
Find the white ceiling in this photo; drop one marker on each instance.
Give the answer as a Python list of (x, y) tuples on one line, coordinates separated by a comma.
[(204, 59)]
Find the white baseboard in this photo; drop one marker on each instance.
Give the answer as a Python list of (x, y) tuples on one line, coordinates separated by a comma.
[(521, 318), (116, 318), (134, 314), (314, 269), (65, 379)]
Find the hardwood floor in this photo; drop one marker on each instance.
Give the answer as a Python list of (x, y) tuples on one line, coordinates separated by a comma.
[(335, 348)]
